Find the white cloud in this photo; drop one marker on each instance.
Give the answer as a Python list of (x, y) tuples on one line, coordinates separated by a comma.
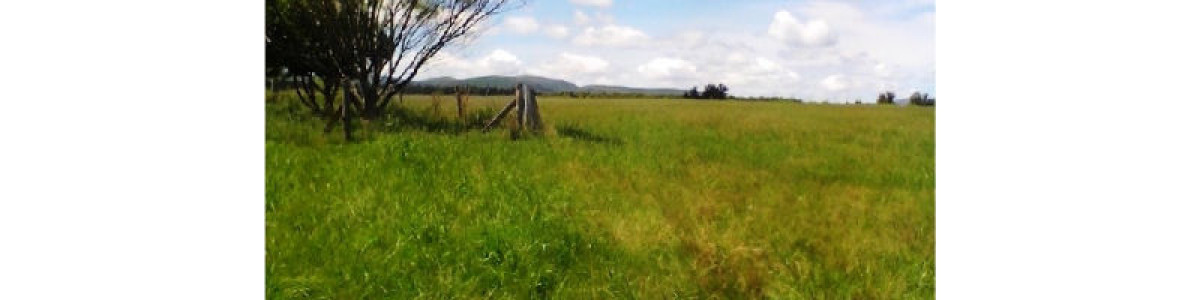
[(501, 56), (501, 62), (581, 18), (583, 64), (689, 38), (765, 64), (667, 68), (611, 35), (604, 18), (497, 62), (883, 70), (786, 28), (579, 69), (815, 50), (558, 31), (874, 48), (567, 64), (900, 41), (835, 83), (522, 25), (596, 3)]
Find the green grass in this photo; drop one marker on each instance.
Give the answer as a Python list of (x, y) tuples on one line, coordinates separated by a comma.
[(620, 199)]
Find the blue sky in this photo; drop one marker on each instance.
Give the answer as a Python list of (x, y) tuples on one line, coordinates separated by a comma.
[(817, 50)]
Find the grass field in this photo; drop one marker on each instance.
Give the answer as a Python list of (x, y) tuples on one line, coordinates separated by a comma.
[(621, 199)]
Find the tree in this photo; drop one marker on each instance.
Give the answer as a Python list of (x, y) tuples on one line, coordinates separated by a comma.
[(692, 94), (919, 98), (715, 91), (291, 47), (371, 48), (886, 98), (711, 91)]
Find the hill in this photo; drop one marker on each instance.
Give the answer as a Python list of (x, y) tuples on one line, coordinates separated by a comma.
[(541, 84), (630, 90)]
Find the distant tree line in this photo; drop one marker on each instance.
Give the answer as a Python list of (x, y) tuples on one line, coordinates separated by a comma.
[(917, 98), (711, 91)]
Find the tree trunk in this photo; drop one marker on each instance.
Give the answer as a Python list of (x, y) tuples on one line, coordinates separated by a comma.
[(330, 92), (346, 110), (332, 118), (371, 105), (304, 90)]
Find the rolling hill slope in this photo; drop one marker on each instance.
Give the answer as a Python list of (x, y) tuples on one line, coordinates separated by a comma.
[(541, 84)]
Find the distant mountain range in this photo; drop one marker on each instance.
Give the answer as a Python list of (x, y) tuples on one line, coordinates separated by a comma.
[(541, 84)]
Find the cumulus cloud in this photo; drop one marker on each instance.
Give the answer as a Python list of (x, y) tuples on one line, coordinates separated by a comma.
[(901, 40), (667, 68), (596, 3), (814, 33), (611, 35), (580, 69), (581, 18), (522, 25), (583, 64), (569, 63), (558, 31), (883, 70), (753, 75), (815, 50), (604, 18), (835, 83), (501, 57), (497, 62), (689, 38), (765, 64)]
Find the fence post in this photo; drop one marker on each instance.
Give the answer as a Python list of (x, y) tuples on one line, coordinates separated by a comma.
[(533, 117), (520, 106), (462, 102)]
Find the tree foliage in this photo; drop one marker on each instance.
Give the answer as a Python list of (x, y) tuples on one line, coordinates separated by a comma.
[(711, 91), (886, 98), (372, 48), (921, 99)]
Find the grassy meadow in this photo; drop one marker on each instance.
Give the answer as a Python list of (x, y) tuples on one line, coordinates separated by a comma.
[(621, 198)]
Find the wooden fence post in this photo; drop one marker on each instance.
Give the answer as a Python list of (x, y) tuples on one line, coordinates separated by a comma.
[(525, 101), (520, 106), (462, 101), (499, 116), (533, 117)]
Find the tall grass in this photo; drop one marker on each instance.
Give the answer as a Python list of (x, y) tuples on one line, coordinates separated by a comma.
[(622, 199)]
